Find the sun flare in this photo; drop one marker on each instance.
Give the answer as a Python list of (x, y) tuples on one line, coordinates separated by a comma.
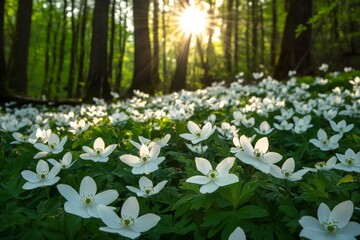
[(193, 20)]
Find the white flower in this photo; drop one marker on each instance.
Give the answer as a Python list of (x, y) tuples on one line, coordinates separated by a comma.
[(19, 138), (325, 166), (64, 163), (264, 128), (150, 143), (40, 135), (257, 156), (53, 145), (42, 177), (341, 127), (287, 171), (147, 161), (237, 234), (129, 224), (211, 118), (292, 73), (213, 179), (99, 153), (85, 202), (324, 67), (118, 118), (147, 187), (284, 125), (332, 225), (227, 131), (348, 69), (286, 114), (324, 143), (238, 117), (198, 148), (196, 134), (78, 127), (248, 122), (349, 161), (302, 124), (258, 75)]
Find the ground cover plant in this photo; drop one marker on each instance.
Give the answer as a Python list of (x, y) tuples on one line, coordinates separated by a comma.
[(275, 160)]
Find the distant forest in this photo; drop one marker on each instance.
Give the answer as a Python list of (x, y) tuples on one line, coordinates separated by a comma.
[(80, 49)]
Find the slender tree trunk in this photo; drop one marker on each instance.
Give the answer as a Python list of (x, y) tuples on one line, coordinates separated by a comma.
[(70, 84), (254, 34), (295, 52), (61, 53), (262, 32), (236, 36), (247, 37), (3, 85), (274, 34), (179, 79), (17, 74), (143, 58), (80, 77), (156, 55), (228, 36), (164, 65), (97, 81), (53, 65), (122, 45), (47, 48), (112, 39)]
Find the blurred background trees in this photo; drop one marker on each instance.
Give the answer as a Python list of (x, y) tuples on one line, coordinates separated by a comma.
[(61, 49)]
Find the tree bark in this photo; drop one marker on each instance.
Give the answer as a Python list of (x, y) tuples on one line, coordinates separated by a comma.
[(262, 35), (61, 53), (274, 34), (142, 77), (254, 35), (156, 55), (228, 36), (74, 42), (247, 36), (112, 39), (17, 75), (236, 36), (80, 77), (295, 52), (164, 65), (3, 85), (97, 81), (47, 48)]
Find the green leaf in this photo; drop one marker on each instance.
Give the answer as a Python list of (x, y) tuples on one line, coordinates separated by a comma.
[(251, 211), (346, 179)]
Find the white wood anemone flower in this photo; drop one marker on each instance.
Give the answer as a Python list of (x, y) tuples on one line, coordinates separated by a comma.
[(129, 225), (341, 127), (150, 143), (99, 153), (63, 163), (264, 128), (213, 179), (147, 188), (196, 134), (257, 156), (287, 171), (53, 145), (324, 143), (84, 203), (349, 162), (42, 177), (147, 161), (237, 234), (331, 225)]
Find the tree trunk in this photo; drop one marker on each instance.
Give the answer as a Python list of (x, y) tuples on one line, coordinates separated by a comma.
[(156, 56), (236, 36), (70, 85), (53, 65), (3, 85), (61, 53), (164, 65), (295, 52), (143, 58), (254, 35), (228, 36), (97, 81), (47, 48), (262, 32), (17, 75), (247, 36), (122, 45), (112, 38), (274, 34), (179, 79), (80, 77)]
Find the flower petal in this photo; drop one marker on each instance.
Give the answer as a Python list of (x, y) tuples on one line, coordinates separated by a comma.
[(108, 150), (323, 213), (237, 234), (246, 145), (226, 180), (137, 191), (342, 213), (131, 160), (159, 186), (109, 217), (69, 194), (42, 166), (209, 188), (106, 197), (198, 180), (225, 165), (79, 210), (289, 165), (130, 208), (99, 143), (30, 176), (203, 165), (193, 127), (352, 228), (87, 186), (145, 182), (262, 144), (145, 222)]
